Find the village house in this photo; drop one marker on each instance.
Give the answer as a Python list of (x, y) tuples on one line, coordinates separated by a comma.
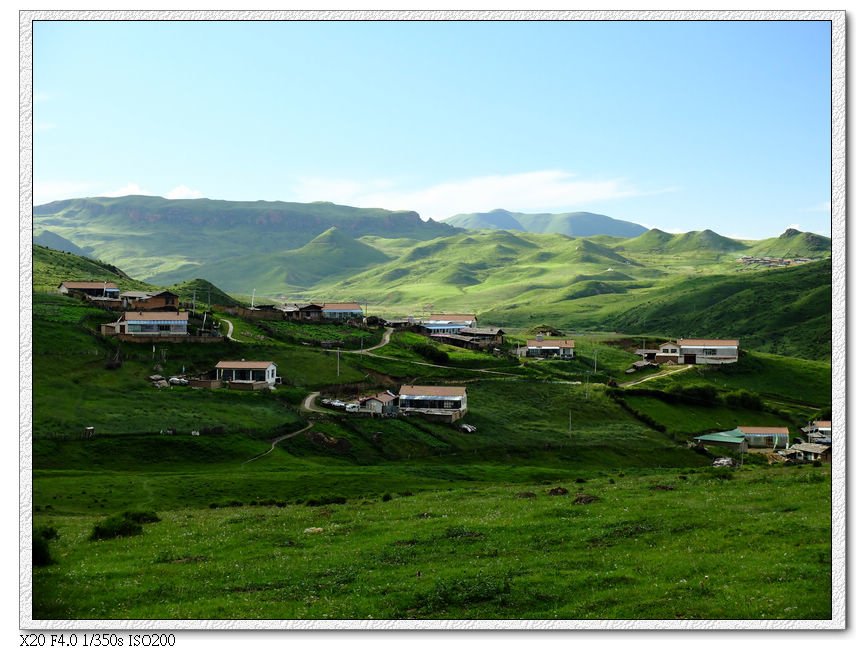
[(448, 323), (307, 312), (487, 335), (341, 311), (149, 300), (385, 403), (807, 452), (541, 348), (94, 288), (773, 437), (149, 324), (441, 402), (696, 351), (248, 375), (819, 431)]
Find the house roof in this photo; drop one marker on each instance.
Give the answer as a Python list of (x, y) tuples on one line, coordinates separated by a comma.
[(669, 343), (810, 447), (550, 343), (494, 331), (725, 436), (769, 431), (384, 398), (311, 305), (823, 424), (155, 315), (718, 342), (90, 284), (452, 317), (246, 365), (340, 306), (135, 294), (432, 391), (453, 337)]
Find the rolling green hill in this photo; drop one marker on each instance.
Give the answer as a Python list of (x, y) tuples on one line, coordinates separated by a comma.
[(51, 267), (705, 241), (573, 224), (793, 243), (785, 311), (168, 240)]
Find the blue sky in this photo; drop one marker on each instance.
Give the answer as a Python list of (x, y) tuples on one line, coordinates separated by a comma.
[(675, 125)]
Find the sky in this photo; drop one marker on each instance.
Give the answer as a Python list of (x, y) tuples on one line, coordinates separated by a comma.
[(676, 125)]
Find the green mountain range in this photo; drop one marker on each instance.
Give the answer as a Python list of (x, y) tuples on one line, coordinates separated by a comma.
[(573, 224)]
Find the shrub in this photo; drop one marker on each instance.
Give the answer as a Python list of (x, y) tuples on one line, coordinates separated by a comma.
[(326, 501), (431, 353), (386, 496), (46, 532), (744, 399), (41, 552), (817, 463), (115, 526)]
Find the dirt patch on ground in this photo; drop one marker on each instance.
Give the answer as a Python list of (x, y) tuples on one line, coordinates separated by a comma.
[(583, 499), (526, 495), (662, 487), (557, 491), (321, 439)]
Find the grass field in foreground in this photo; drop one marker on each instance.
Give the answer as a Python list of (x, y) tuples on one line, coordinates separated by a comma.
[(698, 544)]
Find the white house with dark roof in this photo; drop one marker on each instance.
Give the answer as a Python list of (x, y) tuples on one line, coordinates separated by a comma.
[(434, 400), (698, 351)]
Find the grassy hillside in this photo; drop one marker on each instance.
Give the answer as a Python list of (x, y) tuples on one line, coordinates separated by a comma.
[(785, 311), (662, 545), (150, 236), (51, 267), (793, 243)]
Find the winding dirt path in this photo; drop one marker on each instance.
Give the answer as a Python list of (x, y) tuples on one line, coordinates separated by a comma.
[(276, 441), (657, 376), (230, 331), (308, 404)]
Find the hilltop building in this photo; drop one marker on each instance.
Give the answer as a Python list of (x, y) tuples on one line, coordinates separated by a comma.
[(448, 323)]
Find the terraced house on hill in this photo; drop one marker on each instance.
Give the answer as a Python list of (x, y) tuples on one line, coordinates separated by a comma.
[(541, 348), (446, 402), (697, 351), (448, 323), (257, 374), (148, 324), (95, 288)]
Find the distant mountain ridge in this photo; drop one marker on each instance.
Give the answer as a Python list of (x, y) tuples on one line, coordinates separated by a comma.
[(573, 224)]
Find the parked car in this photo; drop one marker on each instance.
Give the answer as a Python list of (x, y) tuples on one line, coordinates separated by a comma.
[(468, 428), (178, 381), (352, 408), (337, 404)]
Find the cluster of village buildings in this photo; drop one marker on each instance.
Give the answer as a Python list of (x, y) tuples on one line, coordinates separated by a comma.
[(772, 262), (148, 314)]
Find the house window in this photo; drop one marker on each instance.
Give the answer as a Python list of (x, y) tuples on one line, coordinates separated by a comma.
[(709, 352)]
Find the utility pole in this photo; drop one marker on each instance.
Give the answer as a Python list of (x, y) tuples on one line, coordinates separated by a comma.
[(252, 304), (596, 361), (337, 362), (193, 302), (361, 345), (587, 384)]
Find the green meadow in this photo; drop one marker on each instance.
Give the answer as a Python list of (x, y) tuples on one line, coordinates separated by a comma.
[(576, 497)]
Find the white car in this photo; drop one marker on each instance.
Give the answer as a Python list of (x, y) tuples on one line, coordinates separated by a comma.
[(352, 408), (337, 404), (178, 381)]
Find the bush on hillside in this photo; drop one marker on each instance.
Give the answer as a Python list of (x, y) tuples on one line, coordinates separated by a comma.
[(744, 399), (431, 353), (41, 552), (115, 526)]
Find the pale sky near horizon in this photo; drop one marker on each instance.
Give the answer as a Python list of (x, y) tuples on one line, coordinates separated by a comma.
[(675, 125)]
